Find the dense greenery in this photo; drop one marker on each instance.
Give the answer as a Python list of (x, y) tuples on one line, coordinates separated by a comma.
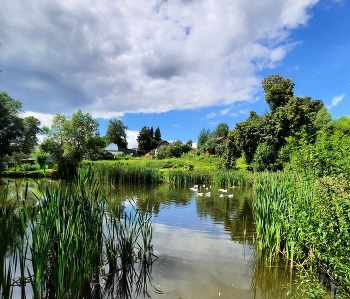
[(67, 246), (262, 138), (148, 139), (17, 135), (69, 139), (116, 133)]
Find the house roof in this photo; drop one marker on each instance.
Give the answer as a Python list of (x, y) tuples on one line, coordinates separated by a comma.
[(111, 147)]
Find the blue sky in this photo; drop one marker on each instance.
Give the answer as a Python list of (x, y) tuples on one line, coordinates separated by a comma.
[(182, 65)]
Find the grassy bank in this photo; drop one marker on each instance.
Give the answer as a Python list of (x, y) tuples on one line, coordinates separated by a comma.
[(308, 221)]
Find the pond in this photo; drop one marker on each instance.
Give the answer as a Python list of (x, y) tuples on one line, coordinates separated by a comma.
[(203, 244)]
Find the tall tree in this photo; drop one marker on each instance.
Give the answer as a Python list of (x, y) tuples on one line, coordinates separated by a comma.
[(203, 137), (11, 126), (278, 91), (221, 130), (31, 127), (68, 140), (116, 133), (144, 140), (157, 135)]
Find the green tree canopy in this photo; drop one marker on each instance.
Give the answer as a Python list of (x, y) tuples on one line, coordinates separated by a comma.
[(11, 125), (278, 91), (68, 139), (116, 133), (203, 137), (221, 130), (157, 135), (148, 139)]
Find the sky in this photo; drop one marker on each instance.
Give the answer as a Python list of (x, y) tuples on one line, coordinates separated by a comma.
[(180, 65)]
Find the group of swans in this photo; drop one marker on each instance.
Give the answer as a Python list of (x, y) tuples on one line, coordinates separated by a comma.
[(195, 188)]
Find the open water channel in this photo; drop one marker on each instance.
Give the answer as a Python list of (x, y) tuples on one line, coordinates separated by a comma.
[(203, 244)]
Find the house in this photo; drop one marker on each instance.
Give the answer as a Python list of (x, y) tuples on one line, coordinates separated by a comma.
[(112, 148)]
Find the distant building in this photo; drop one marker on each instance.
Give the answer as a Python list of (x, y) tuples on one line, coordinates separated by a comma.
[(115, 150), (112, 148)]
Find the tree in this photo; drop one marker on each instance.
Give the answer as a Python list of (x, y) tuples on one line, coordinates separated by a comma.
[(144, 140), (203, 137), (248, 135), (157, 135), (116, 133), (11, 126), (148, 139), (231, 152), (31, 127), (278, 91), (174, 149), (323, 118), (221, 130), (68, 140)]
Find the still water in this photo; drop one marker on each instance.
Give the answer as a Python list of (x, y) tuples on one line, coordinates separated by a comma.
[(203, 244)]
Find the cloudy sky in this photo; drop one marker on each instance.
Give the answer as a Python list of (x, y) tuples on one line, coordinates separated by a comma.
[(182, 65)]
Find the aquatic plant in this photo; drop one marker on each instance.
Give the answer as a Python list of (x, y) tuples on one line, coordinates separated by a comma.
[(74, 248)]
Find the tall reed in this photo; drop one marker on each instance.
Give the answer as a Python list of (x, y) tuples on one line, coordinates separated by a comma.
[(69, 237)]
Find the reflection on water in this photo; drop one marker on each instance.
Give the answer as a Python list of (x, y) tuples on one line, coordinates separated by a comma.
[(204, 245)]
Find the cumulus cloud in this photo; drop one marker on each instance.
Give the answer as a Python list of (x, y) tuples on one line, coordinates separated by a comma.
[(111, 58), (131, 138), (45, 119), (336, 101)]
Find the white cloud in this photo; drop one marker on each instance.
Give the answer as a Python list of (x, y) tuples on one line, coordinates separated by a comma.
[(224, 111), (45, 119), (336, 101), (131, 138), (111, 58), (211, 115)]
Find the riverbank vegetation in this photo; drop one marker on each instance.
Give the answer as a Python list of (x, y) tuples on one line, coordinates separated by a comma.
[(67, 246)]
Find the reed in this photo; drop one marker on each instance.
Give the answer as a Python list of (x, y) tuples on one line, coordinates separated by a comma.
[(302, 218), (71, 241)]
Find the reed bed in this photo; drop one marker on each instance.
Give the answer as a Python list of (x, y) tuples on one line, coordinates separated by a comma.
[(73, 247), (119, 172), (155, 172), (233, 178), (306, 220)]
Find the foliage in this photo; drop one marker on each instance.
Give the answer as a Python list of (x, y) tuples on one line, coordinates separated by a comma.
[(28, 139), (302, 217), (221, 130), (40, 157), (203, 137), (147, 140), (231, 152), (10, 124), (261, 138), (68, 140), (174, 149), (264, 157), (116, 133), (323, 119), (210, 141), (329, 156), (278, 91), (247, 135), (70, 248)]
